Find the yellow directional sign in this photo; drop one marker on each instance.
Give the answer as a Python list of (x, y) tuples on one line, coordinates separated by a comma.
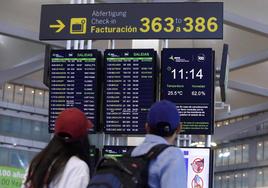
[(60, 26)]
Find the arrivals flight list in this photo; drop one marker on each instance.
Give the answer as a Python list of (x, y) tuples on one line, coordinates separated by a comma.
[(129, 89), (73, 83)]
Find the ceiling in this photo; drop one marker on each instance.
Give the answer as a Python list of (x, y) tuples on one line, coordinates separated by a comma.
[(245, 30)]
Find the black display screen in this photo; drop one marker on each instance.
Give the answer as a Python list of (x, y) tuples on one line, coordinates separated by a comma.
[(73, 83), (129, 89), (188, 81), (116, 151)]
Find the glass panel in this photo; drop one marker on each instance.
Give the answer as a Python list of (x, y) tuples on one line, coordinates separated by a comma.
[(18, 95), (36, 130), (44, 131), (265, 174), (225, 182), (232, 156), (259, 178), (238, 180), (238, 154), (8, 94), (29, 96), (245, 153), (46, 99), (244, 180), (39, 98), (225, 156), (218, 157), (260, 151), (3, 156), (5, 125), (26, 130), (231, 181), (1, 93), (265, 150), (217, 182)]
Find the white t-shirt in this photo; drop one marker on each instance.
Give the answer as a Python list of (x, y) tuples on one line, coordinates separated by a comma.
[(74, 175)]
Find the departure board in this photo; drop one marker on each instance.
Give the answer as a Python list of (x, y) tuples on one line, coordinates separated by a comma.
[(73, 83), (188, 81), (129, 89)]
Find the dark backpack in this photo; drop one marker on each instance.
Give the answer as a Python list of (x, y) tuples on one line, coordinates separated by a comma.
[(126, 172)]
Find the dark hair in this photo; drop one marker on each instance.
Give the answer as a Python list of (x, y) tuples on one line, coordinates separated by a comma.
[(53, 158), (162, 129)]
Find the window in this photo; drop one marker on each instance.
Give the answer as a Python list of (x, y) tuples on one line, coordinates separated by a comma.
[(244, 180), (217, 181), (265, 150), (259, 178), (238, 180), (29, 96), (260, 151), (218, 157), (265, 174), (8, 93), (39, 98), (245, 153), (46, 101), (18, 95), (232, 156), (238, 154), (225, 156)]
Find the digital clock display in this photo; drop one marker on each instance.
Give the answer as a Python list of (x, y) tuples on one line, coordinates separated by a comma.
[(188, 81)]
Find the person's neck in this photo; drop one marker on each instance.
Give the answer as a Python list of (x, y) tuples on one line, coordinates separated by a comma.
[(170, 140)]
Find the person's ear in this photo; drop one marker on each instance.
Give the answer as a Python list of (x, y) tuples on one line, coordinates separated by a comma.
[(178, 130), (147, 128)]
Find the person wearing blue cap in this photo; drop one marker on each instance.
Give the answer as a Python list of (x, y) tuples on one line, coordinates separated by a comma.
[(168, 170)]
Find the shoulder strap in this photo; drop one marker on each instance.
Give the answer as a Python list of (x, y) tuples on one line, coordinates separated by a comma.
[(156, 150)]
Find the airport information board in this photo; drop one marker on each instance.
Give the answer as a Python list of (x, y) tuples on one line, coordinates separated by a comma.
[(188, 81), (73, 83), (129, 89), (199, 167), (102, 21)]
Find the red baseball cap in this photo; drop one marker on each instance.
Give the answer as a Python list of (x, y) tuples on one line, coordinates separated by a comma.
[(73, 124)]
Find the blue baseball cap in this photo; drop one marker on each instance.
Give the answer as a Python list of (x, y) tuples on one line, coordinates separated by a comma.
[(163, 111)]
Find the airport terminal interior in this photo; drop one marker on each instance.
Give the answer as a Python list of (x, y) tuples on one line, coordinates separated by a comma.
[(240, 139)]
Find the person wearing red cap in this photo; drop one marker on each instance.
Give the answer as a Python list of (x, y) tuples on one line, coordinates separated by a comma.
[(64, 162)]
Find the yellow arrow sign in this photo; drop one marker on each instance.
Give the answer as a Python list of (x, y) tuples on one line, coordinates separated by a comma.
[(60, 26)]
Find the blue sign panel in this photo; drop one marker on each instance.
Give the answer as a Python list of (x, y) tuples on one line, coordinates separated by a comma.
[(73, 83), (129, 89), (188, 81)]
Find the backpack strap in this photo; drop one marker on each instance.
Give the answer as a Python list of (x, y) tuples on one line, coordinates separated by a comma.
[(156, 150)]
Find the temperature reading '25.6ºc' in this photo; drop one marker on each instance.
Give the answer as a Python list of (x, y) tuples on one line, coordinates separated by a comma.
[(185, 74)]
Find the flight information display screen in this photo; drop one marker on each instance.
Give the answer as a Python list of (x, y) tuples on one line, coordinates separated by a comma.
[(115, 151), (73, 83), (129, 89), (199, 167), (188, 81)]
